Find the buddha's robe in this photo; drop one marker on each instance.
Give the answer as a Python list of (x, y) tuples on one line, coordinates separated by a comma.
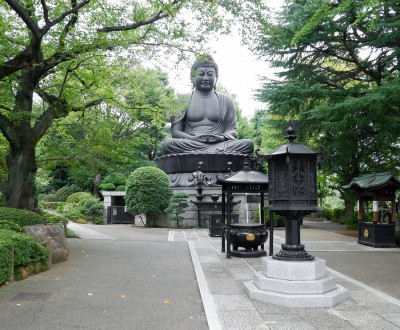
[(225, 126)]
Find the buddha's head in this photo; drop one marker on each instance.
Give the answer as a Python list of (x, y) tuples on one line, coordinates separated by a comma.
[(204, 73)]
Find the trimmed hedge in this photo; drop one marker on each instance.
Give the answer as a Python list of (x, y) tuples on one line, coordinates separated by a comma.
[(50, 205), (20, 217), (26, 249), (6, 247), (5, 224)]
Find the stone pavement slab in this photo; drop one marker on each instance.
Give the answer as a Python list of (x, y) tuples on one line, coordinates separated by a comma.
[(124, 277)]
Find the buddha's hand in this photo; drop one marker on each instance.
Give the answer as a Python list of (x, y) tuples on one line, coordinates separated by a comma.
[(215, 138)]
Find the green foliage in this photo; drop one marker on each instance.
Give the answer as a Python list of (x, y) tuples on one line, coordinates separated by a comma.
[(107, 186), (177, 205), (20, 217), (52, 198), (64, 192), (93, 208), (120, 188), (26, 249), (72, 234), (72, 212), (2, 200), (78, 197), (147, 192), (336, 82), (5, 224), (279, 221), (51, 205), (6, 248)]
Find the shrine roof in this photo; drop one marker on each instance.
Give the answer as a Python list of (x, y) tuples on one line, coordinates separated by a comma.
[(374, 181)]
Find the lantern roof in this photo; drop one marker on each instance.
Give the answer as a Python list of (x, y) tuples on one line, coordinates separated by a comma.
[(245, 176), (292, 148), (374, 181)]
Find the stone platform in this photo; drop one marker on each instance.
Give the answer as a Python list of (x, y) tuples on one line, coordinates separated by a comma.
[(295, 284)]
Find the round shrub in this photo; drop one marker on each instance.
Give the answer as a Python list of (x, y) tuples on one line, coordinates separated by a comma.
[(20, 217), (120, 188), (65, 191), (79, 196), (147, 192)]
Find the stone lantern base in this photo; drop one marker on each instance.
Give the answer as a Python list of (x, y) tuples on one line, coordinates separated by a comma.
[(295, 284)]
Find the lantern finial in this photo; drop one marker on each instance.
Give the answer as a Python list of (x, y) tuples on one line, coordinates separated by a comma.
[(291, 129)]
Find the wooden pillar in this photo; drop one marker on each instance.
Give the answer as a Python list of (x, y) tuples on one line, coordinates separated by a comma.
[(359, 208), (375, 210), (394, 208)]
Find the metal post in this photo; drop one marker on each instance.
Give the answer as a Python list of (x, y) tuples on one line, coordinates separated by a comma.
[(223, 223), (262, 213), (228, 224), (271, 233)]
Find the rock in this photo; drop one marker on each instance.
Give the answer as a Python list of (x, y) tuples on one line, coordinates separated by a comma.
[(53, 234)]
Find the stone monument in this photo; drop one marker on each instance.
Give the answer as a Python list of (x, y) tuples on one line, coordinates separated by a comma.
[(205, 132)]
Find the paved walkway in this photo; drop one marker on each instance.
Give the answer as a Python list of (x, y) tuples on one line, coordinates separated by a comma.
[(123, 277)]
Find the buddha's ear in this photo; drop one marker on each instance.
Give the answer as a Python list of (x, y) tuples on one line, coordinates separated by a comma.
[(216, 80)]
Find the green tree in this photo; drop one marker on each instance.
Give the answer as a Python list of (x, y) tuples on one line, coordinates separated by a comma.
[(177, 205), (339, 78), (55, 53), (147, 193), (110, 138)]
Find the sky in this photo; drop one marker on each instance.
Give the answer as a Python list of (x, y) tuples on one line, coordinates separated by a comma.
[(239, 71)]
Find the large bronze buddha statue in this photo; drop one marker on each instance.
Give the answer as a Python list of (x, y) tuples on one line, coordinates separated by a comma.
[(206, 128), (209, 122)]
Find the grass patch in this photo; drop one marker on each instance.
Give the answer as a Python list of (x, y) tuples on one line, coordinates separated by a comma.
[(72, 234)]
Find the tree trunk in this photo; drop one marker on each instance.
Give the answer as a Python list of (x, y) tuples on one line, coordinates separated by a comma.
[(20, 191), (349, 197), (96, 183)]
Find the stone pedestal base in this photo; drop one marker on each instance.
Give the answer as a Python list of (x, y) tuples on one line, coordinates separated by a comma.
[(296, 284)]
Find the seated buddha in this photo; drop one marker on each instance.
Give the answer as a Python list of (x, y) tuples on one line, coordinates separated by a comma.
[(208, 124)]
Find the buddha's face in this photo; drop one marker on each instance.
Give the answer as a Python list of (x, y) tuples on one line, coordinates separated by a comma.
[(205, 78)]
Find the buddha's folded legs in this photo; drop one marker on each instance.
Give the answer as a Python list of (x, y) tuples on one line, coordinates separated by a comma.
[(178, 146)]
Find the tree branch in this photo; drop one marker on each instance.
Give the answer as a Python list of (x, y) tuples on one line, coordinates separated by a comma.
[(45, 11), (159, 15), (73, 10), (24, 15)]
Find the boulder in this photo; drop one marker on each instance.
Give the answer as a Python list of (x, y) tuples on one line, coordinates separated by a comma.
[(50, 235)]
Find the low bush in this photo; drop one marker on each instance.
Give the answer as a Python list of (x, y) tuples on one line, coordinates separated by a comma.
[(79, 196), (338, 214), (120, 188), (26, 249), (71, 212), (6, 247), (20, 217), (5, 224), (107, 186), (93, 208), (327, 213), (51, 198), (50, 205)]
